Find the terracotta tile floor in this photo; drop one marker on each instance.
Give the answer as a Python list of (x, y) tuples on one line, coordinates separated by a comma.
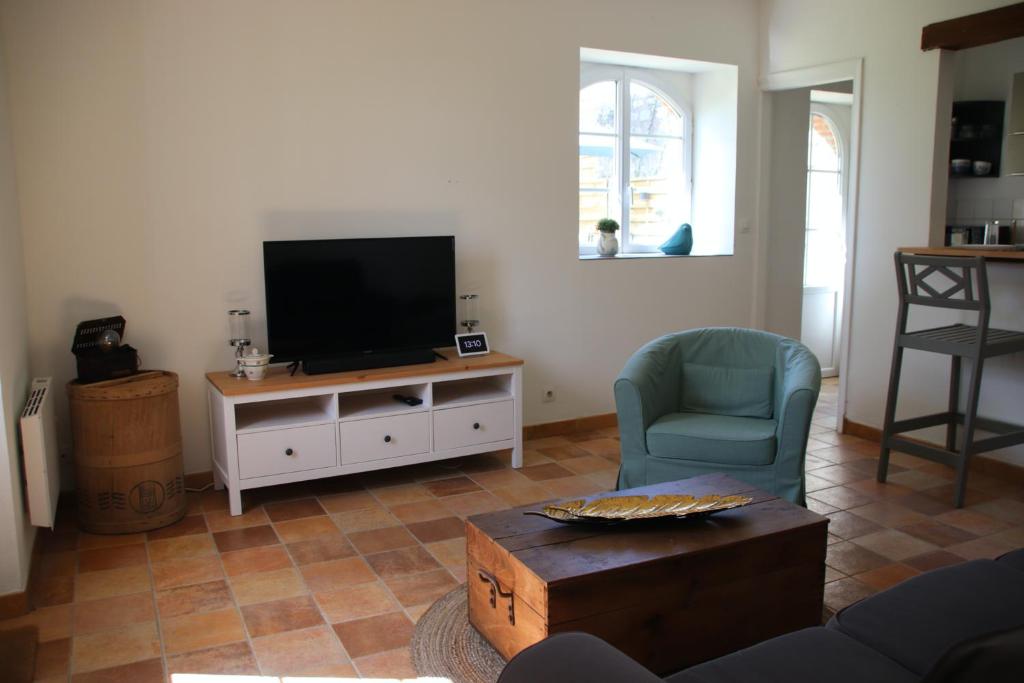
[(328, 578)]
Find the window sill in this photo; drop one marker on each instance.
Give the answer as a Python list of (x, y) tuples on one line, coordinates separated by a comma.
[(643, 255)]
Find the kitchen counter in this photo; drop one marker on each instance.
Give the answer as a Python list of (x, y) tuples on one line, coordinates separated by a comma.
[(988, 254)]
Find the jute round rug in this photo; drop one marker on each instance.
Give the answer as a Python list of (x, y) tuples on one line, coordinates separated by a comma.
[(446, 646)]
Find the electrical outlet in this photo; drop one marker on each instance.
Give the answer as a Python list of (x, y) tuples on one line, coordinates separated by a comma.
[(549, 395)]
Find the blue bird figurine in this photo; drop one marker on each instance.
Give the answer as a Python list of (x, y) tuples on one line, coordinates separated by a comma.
[(680, 243)]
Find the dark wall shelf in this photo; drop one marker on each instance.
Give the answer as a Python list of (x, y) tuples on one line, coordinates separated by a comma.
[(977, 134)]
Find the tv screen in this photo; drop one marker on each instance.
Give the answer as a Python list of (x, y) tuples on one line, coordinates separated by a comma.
[(328, 298)]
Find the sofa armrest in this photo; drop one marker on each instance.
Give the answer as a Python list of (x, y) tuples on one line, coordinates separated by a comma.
[(574, 658), (800, 383), (647, 388)]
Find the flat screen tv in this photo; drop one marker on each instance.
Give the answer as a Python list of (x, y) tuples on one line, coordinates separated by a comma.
[(347, 304)]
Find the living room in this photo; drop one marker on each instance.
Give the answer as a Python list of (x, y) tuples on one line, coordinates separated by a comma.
[(151, 148)]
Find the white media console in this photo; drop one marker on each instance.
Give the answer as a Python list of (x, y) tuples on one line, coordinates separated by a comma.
[(284, 429)]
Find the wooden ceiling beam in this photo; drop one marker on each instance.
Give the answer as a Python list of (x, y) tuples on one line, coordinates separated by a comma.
[(973, 30)]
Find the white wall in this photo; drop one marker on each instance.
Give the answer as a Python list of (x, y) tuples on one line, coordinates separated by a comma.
[(16, 534), (158, 143), (901, 87), (714, 161), (787, 211)]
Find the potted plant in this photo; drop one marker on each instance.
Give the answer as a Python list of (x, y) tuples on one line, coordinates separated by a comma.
[(608, 245)]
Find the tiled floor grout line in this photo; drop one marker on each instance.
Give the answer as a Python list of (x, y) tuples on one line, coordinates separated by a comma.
[(74, 604), (156, 606), (234, 598), (405, 526), (309, 590)]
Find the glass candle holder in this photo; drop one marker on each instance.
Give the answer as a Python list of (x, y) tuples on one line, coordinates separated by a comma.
[(238, 330), (238, 325), (470, 311)]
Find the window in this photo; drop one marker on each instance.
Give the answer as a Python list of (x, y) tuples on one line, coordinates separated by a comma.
[(824, 239), (634, 154)]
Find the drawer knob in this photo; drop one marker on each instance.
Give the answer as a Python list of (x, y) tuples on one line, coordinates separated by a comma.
[(476, 425), (387, 439), (289, 451)]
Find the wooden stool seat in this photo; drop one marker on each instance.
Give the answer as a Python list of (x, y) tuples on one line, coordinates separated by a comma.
[(962, 339)]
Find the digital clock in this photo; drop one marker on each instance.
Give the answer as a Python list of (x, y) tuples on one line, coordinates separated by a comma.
[(472, 344)]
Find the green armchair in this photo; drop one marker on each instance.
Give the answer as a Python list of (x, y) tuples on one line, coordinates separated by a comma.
[(718, 400)]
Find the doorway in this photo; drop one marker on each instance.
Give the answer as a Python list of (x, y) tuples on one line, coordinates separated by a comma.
[(825, 225), (792, 204)]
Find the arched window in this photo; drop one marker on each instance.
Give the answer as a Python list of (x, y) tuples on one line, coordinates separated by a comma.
[(634, 152), (824, 237)]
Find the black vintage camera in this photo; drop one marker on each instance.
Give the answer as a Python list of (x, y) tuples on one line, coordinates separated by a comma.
[(100, 353)]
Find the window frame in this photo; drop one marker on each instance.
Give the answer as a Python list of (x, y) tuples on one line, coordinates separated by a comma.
[(622, 76)]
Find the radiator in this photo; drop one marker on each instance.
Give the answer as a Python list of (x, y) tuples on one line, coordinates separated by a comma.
[(42, 457)]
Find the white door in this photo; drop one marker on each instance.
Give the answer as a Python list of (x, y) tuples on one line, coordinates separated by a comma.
[(824, 236)]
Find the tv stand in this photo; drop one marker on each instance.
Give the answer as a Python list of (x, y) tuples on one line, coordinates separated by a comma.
[(366, 361), (284, 429)]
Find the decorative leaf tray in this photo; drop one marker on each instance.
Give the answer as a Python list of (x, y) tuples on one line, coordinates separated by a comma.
[(632, 507)]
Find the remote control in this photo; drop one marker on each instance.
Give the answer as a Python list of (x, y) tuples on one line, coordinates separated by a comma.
[(408, 400)]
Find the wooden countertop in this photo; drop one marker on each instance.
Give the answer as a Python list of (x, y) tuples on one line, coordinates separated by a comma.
[(278, 378), (987, 254)]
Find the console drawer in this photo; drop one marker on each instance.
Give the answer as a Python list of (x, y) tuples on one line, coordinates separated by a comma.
[(471, 425), (380, 438), (262, 454)]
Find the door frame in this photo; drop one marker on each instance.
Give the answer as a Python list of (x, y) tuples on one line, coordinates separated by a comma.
[(808, 77)]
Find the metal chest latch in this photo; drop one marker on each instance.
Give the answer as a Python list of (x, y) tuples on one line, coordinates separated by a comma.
[(496, 591)]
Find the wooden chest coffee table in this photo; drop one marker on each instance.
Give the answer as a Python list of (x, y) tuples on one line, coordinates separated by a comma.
[(668, 593)]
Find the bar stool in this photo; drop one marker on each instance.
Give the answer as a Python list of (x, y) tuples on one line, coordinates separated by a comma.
[(974, 342)]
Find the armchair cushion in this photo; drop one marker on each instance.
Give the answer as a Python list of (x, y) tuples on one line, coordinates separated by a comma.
[(721, 390), (713, 438)]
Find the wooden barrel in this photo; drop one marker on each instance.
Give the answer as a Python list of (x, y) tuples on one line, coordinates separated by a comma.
[(127, 450)]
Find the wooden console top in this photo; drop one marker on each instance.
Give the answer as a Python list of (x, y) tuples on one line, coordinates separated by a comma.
[(278, 378)]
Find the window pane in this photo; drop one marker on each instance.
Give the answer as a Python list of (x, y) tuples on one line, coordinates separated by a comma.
[(658, 196), (598, 179), (823, 148), (823, 259), (597, 161), (650, 114), (824, 202), (597, 108)]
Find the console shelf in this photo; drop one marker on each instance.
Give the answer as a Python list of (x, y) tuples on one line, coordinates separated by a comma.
[(472, 391), (284, 429), (292, 412), (359, 405)]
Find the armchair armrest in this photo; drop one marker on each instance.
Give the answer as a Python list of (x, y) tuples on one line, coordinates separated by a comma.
[(574, 658), (794, 406), (647, 388)]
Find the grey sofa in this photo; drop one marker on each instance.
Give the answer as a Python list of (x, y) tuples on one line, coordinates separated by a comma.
[(951, 625)]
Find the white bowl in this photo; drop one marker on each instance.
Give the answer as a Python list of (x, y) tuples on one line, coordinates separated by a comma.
[(255, 372), (982, 167), (960, 165)]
